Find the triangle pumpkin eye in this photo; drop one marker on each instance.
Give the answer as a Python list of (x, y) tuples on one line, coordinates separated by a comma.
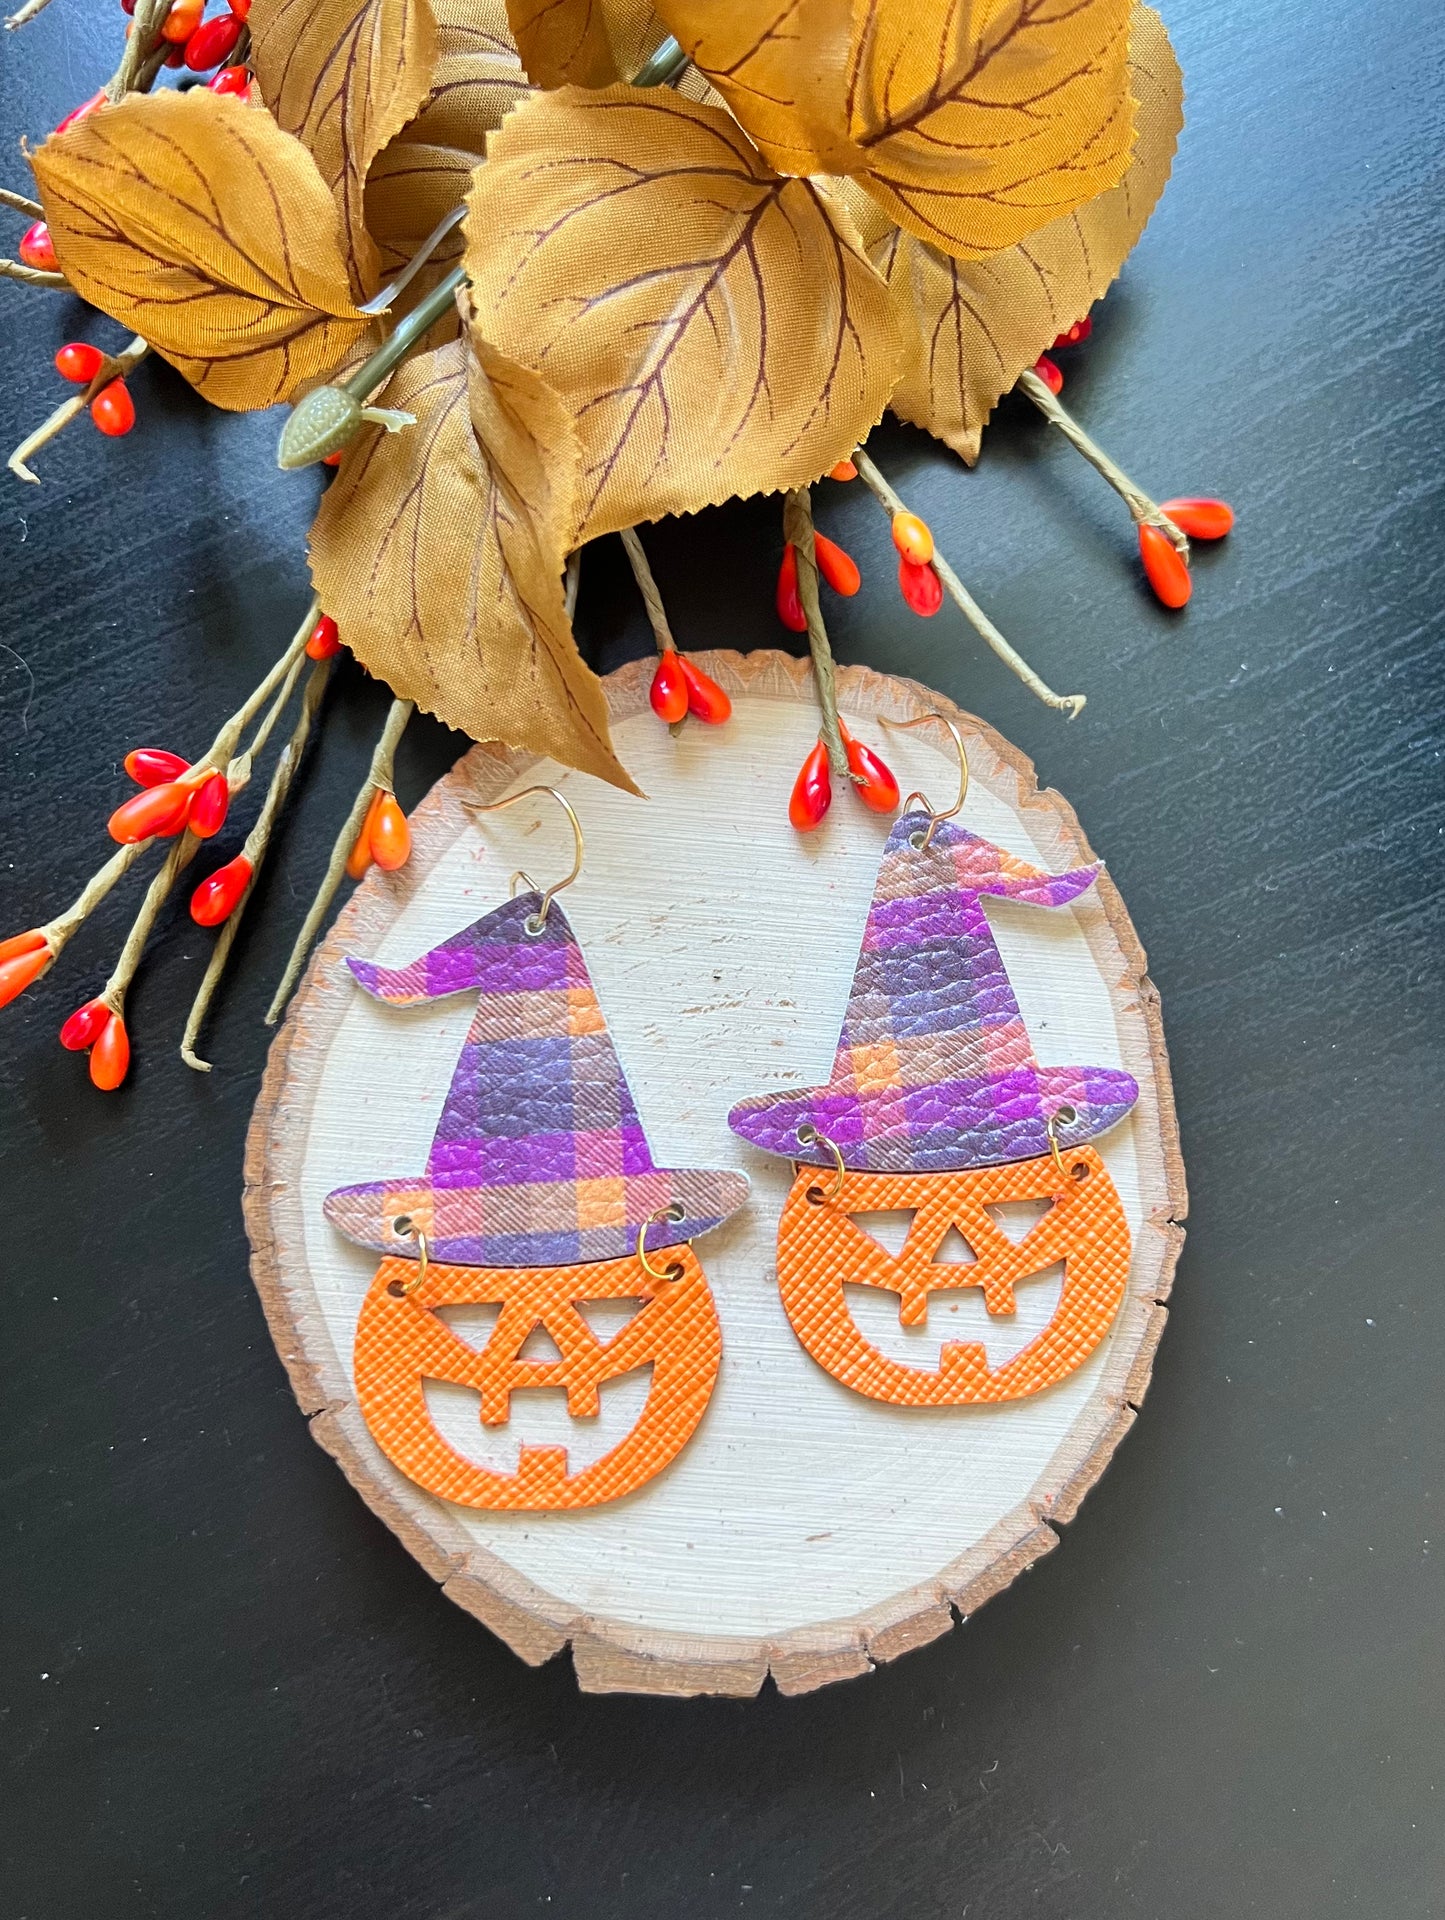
[(953, 1250), (889, 1230)]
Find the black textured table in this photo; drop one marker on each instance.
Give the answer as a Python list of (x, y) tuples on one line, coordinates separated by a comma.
[(229, 1691)]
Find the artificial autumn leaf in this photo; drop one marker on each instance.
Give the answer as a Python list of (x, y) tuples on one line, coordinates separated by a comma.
[(344, 76), (428, 167), (196, 222), (970, 328), (970, 124), (714, 329), (583, 43), (474, 26), (439, 551)]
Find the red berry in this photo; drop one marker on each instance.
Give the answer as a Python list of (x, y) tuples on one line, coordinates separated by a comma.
[(1165, 565), (210, 806), (705, 698), (216, 898), (213, 42), (79, 113), (241, 9), (113, 410), (913, 537), (845, 470), (153, 766), (37, 249), (110, 1055), (154, 810), (920, 587), (873, 780), (77, 360), (31, 941), (332, 459), (325, 639), (387, 834), (838, 568), (1077, 334), (84, 1025), (235, 80), (359, 858), (17, 973), (668, 692), (1051, 374), (1201, 519), (127, 6), (790, 607), (812, 791)]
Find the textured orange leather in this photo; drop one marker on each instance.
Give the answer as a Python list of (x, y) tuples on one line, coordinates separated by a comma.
[(400, 1342), (821, 1250)]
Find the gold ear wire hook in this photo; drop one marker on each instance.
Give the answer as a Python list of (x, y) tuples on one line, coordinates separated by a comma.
[(906, 726), (673, 1271), (404, 1223), (808, 1136), (539, 919)]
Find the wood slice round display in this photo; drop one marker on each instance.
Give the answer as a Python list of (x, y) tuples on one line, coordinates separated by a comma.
[(805, 1530)]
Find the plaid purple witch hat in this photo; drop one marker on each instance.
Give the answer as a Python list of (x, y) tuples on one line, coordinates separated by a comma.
[(539, 1159), (935, 1070)]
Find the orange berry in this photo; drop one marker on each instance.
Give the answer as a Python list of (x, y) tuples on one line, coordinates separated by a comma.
[(325, 639), (790, 607), (359, 858), (874, 781), (17, 973), (1201, 519), (154, 810), (388, 835), (113, 410), (705, 698), (182, 20), (110, 1055), (330, 459), (913, 538), (1050, 373), (84, 1025), (812, 791), (37, 249), (668, 692), (1165, 566), (845, 470), (77, 360), (838, 568), (28, 942), (1076, 335)]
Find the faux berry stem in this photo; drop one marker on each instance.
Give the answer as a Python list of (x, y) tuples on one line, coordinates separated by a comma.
[(30, 276), (378, 778), (1147, 512), (32, 209), (257, 841), (652, 600), (140, 49), (26, 13), (798, 528), (1069, 703), (113, 367)]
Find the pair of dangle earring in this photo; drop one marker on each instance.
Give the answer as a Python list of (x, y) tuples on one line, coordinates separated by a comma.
[(540, 1190)]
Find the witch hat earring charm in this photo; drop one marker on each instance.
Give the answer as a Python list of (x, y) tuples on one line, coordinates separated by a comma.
[(937, 1105), (540, 1192)]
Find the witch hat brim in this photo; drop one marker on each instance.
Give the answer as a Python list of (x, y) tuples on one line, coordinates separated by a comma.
[(540, 1157), (935, 1070)]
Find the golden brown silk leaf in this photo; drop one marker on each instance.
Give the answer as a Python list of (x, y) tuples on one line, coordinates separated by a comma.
[(344, 76), (971, 124), (583, 43), (715, 330), (427, 169), (474, 26), (970, 328), (439, 552), (194, 220)]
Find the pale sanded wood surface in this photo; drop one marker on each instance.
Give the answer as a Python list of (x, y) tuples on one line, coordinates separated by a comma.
[(805, 1531)]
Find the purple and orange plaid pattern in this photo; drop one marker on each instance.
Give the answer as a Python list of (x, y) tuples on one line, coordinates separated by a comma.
[(935, 1070), (539, 1158)]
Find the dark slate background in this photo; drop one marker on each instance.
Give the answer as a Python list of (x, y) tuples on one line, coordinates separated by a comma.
[(227, 1691)]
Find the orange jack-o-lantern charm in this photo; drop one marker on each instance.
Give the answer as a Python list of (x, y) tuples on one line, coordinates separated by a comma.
[(540, 1192), (936, 1104), (822, 1250), (401, 1343)]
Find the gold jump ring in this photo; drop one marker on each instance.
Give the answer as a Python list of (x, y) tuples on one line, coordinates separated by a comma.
[(674, 1213), (809, 1136), (1065, 1116), (404, 1223)]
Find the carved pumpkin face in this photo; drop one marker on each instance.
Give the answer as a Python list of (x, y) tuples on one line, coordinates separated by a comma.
[(401, 1342), (822, 1249)]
